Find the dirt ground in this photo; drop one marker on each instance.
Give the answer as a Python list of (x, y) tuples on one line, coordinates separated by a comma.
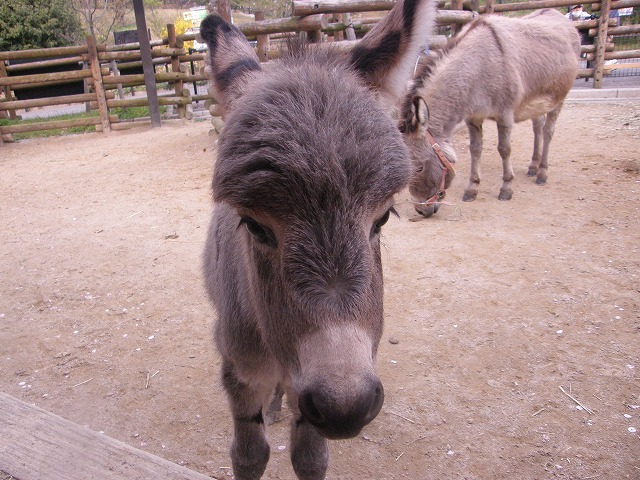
[(494, 306)]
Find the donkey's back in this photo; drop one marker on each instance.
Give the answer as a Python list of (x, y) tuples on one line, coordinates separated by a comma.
[(525, 64), (541, 51)]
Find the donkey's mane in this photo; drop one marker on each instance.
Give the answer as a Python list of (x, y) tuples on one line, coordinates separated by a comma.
[(427, 65)]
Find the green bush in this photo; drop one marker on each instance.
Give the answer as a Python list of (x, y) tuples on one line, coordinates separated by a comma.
[(27, 24)]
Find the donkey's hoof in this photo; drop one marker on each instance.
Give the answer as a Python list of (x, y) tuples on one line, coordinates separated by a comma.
[(505, 195), (541, 180), (532, 172), (469, 196)]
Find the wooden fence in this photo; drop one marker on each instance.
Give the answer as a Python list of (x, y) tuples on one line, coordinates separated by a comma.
[(98, 66)]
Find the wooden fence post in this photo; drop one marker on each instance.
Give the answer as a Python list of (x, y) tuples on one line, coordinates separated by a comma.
[(98, 85), (175, 66), (86, 87), (7, 89), (456, 5), (263, 40), (147, 63), (489, 6), (601, 43), (349, 31), (116, 73)]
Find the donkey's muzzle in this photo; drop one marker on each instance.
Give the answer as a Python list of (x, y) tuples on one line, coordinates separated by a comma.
[(338, 418), (427, 210)]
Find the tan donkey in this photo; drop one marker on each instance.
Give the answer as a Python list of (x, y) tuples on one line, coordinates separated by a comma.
[(501, 68)]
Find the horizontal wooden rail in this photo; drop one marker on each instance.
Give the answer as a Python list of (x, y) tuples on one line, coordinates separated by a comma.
[(135, 54), (454, 17), (144, 102), (595, 7), (619, 55), (624, 30), (287, 24), (44, 52), (160, 77), (532, 5), (130, 46), (19, 67), (54, 124), (588, 24), (47, 102), (45, 77), (588, 72), (310, 7)]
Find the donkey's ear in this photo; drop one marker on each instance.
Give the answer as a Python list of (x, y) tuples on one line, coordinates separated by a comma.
[(386, 56), (421, 115), (232, 60)]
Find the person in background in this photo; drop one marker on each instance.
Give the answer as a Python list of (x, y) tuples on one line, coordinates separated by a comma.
[(576, 13)]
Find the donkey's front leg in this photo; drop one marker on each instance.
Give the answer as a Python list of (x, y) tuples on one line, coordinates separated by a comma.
[(504, 148), (547, 135), (249, 449), (309, 451), (538, 123), (475, 149)]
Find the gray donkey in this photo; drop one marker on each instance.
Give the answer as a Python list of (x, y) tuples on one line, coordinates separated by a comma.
[(306, 171), (505, 69)]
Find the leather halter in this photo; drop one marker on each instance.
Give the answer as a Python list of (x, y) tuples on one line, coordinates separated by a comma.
[(447, 167)]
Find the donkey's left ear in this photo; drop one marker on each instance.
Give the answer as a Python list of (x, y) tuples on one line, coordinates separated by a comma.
[(420, 114), (385, 58)]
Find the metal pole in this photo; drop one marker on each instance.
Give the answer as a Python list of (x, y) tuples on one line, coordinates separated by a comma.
[(147, 63)]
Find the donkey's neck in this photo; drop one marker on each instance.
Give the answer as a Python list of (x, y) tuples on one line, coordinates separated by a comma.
[(450, 95), (446, 110)]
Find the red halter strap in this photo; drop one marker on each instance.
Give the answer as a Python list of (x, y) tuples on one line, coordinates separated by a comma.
[(447, 167)]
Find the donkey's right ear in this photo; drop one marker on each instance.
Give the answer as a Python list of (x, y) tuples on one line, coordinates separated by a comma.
[(386, 57), (233, 62)]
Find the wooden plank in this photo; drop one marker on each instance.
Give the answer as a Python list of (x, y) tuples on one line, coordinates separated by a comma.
[(45, 77), (36, 444), (53, 124), (46, 63), (310, 7), (595, 7), (98, 86), (43, 52), (287, 24), (46, 102)]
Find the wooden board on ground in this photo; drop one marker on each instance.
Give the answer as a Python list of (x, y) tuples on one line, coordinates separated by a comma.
[(36, 444)]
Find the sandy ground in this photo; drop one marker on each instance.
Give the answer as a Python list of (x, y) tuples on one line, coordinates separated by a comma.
[(494, 306)]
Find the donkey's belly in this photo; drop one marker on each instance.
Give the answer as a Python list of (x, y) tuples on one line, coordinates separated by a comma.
[(535, 107)]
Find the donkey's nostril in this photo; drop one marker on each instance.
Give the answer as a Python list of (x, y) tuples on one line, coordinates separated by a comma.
[(309, 409), (376, 405)]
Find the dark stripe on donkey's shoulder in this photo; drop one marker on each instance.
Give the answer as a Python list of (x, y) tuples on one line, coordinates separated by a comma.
[(368, 60), (409, 13), (226, 77)]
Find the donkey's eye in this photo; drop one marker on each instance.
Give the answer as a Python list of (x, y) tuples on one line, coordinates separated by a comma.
[(258, 232), (377, 226)]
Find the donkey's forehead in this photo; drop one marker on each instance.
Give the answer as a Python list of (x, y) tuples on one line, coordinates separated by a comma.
[(308, 133)]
